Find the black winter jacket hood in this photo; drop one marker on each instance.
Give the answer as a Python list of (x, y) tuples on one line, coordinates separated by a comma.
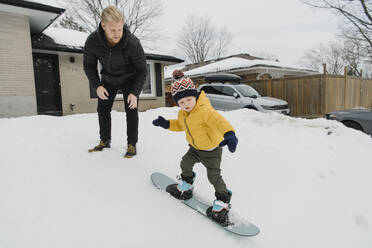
[(123, 66)]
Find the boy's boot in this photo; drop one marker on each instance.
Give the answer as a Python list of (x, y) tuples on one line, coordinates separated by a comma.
[(221, 207), (182, 190), (131, 151), (100, 146)]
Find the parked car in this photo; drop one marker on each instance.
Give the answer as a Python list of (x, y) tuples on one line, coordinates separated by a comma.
[(359, 119), (226, 93)]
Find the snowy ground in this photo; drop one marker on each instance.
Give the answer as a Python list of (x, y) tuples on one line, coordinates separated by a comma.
[(301, 186)]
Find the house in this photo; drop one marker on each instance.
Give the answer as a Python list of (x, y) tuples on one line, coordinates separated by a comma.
[(188, 67), (41, 67), (250, 68)]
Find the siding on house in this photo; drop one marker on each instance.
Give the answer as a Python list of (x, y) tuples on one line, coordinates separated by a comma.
[(17, 87), (75, 89)]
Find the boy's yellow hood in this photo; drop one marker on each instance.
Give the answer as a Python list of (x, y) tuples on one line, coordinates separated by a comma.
[(202, 101)]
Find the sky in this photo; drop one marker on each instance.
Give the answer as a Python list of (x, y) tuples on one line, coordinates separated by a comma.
[(286, 28), (304, 183)]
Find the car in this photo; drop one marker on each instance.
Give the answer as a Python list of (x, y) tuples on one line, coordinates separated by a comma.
[(225, 92), (359, 119)]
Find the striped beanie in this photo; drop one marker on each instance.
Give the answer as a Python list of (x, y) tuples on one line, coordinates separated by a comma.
[(182, 86)]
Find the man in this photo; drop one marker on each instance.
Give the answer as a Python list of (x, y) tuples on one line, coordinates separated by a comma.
[(123, 67)]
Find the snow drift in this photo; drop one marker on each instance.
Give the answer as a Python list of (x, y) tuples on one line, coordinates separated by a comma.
[(305, 183)]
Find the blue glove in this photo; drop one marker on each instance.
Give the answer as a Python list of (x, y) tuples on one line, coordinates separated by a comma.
[(230, 140), (164, 123)]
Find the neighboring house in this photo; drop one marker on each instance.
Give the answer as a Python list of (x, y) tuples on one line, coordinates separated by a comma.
[(41, 67), (248, 67), (188, 67)]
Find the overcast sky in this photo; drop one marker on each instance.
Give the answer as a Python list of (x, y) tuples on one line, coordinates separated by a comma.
[(284, 28)]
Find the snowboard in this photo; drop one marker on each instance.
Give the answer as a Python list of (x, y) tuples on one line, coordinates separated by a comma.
[(237, 225)]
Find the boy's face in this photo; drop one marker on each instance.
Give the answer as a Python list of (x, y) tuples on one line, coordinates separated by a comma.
[(187, 103)]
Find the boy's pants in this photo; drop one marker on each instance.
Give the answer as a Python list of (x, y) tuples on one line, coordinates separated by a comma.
[(211, 160)]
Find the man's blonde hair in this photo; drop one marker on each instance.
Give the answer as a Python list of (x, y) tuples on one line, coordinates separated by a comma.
[(112, 13)]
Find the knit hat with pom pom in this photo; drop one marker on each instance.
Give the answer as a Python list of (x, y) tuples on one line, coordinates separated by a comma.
[(182, 86)]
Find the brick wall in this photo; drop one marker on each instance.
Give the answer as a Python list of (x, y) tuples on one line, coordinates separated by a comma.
[(17, 87)]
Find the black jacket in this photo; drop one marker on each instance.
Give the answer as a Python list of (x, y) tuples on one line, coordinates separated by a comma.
[(123, 66)]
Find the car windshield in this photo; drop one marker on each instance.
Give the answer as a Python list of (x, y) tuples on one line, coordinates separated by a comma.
[(246, 90)]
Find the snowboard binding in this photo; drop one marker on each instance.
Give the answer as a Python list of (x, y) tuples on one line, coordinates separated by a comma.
[(221, 218), (219, 212), (183, 189)]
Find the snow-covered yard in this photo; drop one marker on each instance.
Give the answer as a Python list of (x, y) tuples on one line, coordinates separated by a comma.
[(305, 183)]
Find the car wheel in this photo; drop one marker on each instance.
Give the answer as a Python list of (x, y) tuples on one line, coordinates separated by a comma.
[(250, 107), (353, 124)]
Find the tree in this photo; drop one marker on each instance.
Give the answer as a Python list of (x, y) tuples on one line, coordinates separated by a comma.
[(329, 54), (351, 51), (337, 54), (357, 14), (223, 40), (141, 15), (200, 41), (69, 22), (267, 56)]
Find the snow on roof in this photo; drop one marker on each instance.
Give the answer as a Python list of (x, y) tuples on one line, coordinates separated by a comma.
[(170, 68), (76, 40), (53, 3), (67, 37), (235, 63)]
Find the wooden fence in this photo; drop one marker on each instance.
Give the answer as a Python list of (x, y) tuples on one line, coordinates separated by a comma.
[(313, 96)]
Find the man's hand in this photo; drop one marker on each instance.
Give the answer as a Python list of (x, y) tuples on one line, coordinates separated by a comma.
[(132, 101), (102, 93)]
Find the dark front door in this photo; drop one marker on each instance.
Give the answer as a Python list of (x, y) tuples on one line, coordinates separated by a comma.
[(48, 89)]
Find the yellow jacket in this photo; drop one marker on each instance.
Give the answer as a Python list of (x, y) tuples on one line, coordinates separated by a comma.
[(203, 125)]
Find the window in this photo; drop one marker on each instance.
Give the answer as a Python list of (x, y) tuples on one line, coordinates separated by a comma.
[(212, 90), (149, 86), (148, 89), (246, 90), (228, 91)]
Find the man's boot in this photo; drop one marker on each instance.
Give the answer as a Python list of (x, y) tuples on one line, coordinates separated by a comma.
[(100, 146), (131, 151)]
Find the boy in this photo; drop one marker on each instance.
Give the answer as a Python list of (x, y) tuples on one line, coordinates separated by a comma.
[(206, 131)]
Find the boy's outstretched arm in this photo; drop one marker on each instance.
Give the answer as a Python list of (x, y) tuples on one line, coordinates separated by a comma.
[(172, 125), (161, 122)]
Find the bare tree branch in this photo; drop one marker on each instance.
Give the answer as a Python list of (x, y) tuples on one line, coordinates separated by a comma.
[(199, 40), (366, 10), (336, 54), (141, 15), (357, 14), (223, 41)]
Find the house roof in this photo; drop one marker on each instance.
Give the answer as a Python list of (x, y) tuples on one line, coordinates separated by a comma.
[(66, 40), (40, 14), (162, 57), (235, 64)]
